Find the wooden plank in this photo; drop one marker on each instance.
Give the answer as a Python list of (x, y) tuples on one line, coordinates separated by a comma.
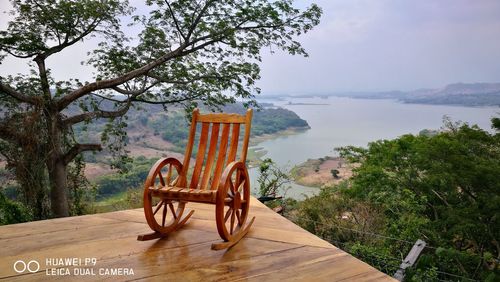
[(221, 156), (235, 135), (222, 118), (299, 236), (189, 148), (274, 249), (334, 267), (200, 155), (16, 246), (211, 155), (280, 265), (246, 138), (108, 249), (159, 260), (51, 225)]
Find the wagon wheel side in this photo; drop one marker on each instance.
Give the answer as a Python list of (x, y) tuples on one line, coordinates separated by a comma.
[(163, 215), (232, 205)]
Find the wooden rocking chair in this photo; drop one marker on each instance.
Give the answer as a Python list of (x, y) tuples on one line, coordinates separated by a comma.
[(224, 182)]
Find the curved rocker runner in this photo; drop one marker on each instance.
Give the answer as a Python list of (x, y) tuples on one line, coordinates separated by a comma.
[(218, 179)]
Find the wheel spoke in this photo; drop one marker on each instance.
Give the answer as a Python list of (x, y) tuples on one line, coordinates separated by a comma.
[(164, 215), (158, 207), (238, 216), (162, 181), (231, 186), (240, 187), (171, 206), (227, 214), (232, 222), (169, 173), (175, 181)]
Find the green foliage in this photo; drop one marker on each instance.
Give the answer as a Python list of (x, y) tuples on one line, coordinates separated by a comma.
[(173, 128), (129, 199), (272, 183), (495, 123), (269, 120), (82, 193), (271, 179), (12, 211), (137, 171), (35, 25), (442, 188)]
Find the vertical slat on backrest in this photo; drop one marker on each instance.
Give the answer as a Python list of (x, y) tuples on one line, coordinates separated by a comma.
[(234, 142), (248, 126), (221, 156), (200, 156), (189, 149), (211, 155)]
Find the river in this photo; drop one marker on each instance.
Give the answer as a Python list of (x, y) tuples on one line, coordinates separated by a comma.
[(340, 121)]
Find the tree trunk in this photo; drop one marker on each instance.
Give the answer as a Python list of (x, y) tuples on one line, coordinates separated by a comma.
[(58, 178), (58, 169)]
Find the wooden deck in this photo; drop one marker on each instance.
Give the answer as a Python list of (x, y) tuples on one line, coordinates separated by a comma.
[(105, 246)]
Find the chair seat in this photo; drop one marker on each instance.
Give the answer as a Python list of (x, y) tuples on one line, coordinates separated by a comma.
[(185, 194)]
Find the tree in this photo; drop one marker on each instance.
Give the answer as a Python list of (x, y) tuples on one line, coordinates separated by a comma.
[(188, 52), (443, 189), (271, 179), (335, 173)]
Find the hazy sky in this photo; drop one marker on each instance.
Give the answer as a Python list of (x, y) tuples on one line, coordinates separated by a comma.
[(366, 45)]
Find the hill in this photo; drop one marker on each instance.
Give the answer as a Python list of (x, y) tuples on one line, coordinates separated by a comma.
[(467, 94), (463, 94)]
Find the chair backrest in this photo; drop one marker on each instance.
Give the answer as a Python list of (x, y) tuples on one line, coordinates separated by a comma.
[(217, 147)]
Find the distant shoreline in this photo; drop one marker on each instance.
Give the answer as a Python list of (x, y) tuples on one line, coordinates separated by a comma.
[(307, 104), (456, 94)]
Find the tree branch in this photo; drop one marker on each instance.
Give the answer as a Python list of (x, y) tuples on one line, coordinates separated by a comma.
[(67, 43), (166, 101), (198, 18), (40, 61), (97, 114), (109, 83), (175, 21), (179, 52), (4, 88), (16, 55), (186, 81), (135, 92), (77, 149)]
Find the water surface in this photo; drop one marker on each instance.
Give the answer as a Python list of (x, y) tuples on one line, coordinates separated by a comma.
[(346, 121)]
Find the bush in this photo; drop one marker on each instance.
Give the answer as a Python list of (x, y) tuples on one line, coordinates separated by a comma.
[(12, 211)]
